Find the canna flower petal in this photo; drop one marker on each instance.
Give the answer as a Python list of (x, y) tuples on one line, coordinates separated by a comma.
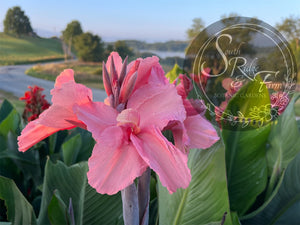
[(114, 163), (157, 104), (97, 116), (165, 159), (117, 62), (200, 132), (157, 75), (60, 115), (34, 133), (194, 107), (65, 95), (143, 68)]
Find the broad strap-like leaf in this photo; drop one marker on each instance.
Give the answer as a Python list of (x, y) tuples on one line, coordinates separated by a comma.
[(71, 148), (205, 201), (89, 207), (58, 211), (246, 145), (246, 166), (284, 140), (284, 207), (9, 118), (19, 211)]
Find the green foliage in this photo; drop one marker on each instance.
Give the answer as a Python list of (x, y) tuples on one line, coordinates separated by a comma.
[(72, 30), (89, 47), (57, 210), (89, 207), (251, 102), (290, 27), (205, 201), (246, 163), (16, 22), (284, 143), (19, 210), (284, 206), (174, 73), (122, 48)]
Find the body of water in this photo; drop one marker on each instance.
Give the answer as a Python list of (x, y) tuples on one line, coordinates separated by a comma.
[(165, 54)]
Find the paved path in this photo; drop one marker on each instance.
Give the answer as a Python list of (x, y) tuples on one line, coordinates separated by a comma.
[(14, 80)]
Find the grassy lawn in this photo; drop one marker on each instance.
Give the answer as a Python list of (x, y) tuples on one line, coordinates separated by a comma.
[(28, 50), (89, 74)]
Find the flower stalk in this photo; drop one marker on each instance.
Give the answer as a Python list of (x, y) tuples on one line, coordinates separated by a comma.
[(130, 205)]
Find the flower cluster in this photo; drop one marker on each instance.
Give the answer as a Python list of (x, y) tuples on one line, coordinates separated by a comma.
[(35, 103), (127, 127)]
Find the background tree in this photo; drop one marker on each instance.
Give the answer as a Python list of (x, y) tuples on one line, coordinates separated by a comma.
[(197, 26), (290, 27), (123, 49), (109, 48), (89, 47), (16, 22), (72, 30)]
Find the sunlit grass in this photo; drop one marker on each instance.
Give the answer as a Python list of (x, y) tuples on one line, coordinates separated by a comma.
[(28, 50), (89, 74)]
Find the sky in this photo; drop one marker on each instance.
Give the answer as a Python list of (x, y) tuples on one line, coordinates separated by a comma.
[(143, 20)]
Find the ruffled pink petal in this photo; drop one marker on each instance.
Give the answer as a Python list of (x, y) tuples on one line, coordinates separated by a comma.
[(143, 68), (200, 131), (165, 159), (181, 138), (194, 107), (158, 75), (69, 93), (34, 133), (97, 116), (117, 62), (185, 86), (64, 98), (157, 105), (114, 163), (64, 77)]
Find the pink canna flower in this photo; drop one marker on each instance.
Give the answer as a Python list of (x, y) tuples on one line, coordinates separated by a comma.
[(195, 131), (127, 129)]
